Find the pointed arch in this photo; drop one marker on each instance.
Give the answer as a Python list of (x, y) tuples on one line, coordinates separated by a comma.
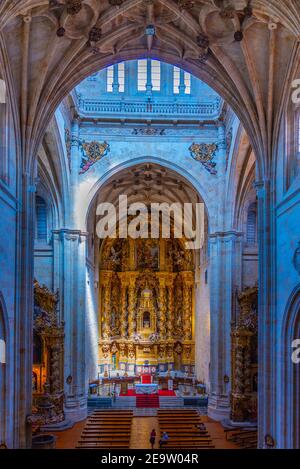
[(290, 378)]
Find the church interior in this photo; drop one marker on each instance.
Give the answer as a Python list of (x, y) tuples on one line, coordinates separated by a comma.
[(159, 102)]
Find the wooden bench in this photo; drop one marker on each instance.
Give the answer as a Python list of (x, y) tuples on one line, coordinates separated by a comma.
[(109, 422), (101, 445), (105, 432), (183, 431), (106, 429), (188, 443), (104, 438)]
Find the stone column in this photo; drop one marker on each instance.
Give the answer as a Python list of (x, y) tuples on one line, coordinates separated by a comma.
[(21, 385), (149, 78), (115, 85), (225, 277), (181, 83), (268, 366), (70, 248), (221, 153)]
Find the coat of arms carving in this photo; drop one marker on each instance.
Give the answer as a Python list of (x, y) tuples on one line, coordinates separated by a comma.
[(205, 153), (94, 152)]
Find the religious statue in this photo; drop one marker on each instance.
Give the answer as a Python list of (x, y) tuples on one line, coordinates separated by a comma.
[(131, 351)]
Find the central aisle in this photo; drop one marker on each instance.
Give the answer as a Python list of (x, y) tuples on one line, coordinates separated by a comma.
[(141, 428)]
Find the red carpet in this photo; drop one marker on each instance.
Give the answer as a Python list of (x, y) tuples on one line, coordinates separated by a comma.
[(166, 393), (147, 400), (131, 392)]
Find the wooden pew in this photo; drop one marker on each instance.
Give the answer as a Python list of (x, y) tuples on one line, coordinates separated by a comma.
[(181, 427), (106, 429)]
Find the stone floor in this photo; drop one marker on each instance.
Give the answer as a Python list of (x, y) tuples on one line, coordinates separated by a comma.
[(68, 439), (217, 434), (140, 434)]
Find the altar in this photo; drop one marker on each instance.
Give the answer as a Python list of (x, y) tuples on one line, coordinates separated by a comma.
[(146, 388)]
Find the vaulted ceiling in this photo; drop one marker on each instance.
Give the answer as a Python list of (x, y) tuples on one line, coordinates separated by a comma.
[(247, 51), (148, 183)]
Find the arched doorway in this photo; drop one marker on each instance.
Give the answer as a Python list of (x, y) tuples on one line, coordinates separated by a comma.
[(290, 375), (147, 314)]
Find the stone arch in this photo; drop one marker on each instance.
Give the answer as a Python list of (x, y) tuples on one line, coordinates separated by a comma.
[(107, 177), (290, 375), (198, 186), (241, 104)]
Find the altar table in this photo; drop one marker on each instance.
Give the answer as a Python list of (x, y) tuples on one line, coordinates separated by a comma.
[(146, 388)]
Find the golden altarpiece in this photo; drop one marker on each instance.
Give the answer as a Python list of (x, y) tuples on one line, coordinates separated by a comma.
[(244, 367), (48, 359), (146, 306)]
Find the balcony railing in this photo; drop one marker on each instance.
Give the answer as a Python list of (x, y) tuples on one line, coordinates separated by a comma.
[(151, 109)]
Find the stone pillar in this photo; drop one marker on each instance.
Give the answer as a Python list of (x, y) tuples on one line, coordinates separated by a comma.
[(70, 247), (149, 79), (21, 386), (267, 338), (115, 85), (181, 83), (225, 277), (221, 153)]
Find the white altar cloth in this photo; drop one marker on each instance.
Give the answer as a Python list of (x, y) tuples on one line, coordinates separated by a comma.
[(146, 388)]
